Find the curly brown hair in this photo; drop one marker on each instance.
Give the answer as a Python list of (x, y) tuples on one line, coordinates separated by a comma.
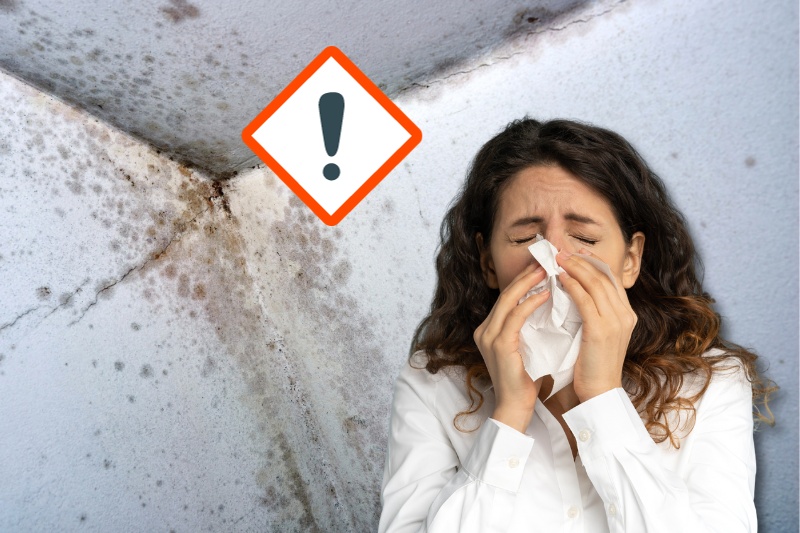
[(676, 322)]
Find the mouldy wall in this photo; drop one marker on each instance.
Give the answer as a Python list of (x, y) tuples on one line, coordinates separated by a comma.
[(178, 355), (143, 387)]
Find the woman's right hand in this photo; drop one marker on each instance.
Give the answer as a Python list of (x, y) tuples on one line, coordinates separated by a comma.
[(497, 339)]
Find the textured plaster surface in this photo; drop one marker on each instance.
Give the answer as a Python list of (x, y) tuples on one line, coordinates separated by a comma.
[(187, 75), (180, 354)]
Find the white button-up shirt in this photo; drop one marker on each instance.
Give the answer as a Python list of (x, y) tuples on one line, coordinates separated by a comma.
[(440, 479)]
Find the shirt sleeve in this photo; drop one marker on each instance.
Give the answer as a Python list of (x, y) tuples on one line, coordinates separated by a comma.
[(427, 488), (713, 493)]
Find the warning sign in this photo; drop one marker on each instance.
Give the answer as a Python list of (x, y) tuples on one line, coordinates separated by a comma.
[(331, 135)]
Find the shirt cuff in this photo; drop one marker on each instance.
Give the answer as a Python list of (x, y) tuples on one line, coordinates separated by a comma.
[(607, 421), (498, 455)]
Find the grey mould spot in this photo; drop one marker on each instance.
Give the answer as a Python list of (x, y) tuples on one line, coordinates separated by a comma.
[(179, 11), (8, 6), (208, 367), (146, 371), (43, 293), (119, 366)]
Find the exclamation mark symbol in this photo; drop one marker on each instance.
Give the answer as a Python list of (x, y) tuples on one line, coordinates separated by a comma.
[(331, 113)]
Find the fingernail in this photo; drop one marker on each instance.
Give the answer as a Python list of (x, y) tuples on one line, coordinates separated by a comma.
[(564, 253), (564, 275), (538, 268), (584, 251)]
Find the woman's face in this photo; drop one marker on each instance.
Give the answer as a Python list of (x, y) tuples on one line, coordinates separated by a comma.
[(550, 201)]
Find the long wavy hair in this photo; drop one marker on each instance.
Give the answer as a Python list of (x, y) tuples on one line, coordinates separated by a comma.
[(676, 322)]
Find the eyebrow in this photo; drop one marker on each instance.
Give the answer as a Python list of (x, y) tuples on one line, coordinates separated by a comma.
[(575, 217)]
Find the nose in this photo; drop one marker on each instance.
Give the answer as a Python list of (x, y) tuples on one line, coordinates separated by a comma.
[(560, 240), (556, 240)]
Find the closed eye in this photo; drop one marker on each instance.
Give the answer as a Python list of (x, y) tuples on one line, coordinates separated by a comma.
[(585, 239)]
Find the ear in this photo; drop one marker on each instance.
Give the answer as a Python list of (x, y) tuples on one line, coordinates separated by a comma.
[(633, 260), (487, 264)]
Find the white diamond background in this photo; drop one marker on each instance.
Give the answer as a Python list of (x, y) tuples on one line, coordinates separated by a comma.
[(293, 136)]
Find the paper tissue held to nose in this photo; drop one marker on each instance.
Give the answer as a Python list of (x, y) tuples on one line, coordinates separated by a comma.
[(551, 337)]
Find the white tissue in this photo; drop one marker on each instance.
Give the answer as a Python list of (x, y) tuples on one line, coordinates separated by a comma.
[(551, 337)]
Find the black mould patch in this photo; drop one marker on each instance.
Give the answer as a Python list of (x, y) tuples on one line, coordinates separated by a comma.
[(43, 293), (146, 371)]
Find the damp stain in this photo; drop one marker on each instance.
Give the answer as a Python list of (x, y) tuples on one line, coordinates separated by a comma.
[(276, 492), (178, 229), (209, 367), (332, 350), (9, 6)]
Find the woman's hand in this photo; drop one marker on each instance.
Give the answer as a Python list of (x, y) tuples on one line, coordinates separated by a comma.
[(608, 322), (497, 339)]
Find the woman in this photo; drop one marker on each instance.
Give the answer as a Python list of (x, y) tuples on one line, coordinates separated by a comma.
[(655, 430)]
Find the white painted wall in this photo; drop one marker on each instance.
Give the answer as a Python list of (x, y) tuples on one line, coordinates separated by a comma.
[(174, 358)]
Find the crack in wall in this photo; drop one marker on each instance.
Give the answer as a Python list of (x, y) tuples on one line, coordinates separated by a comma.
[(501, 59), (19, 317), (153, 257), (66, 302)]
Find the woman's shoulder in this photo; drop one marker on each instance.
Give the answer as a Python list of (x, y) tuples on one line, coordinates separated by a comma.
[(727, 367), (448, 382), (728, 384), (415, 370)]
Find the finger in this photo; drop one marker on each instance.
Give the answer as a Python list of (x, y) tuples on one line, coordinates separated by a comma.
[(593, 282), (517, 316), (511, 295), (490, 318), (623, 294), (625, 313), (583, 301)]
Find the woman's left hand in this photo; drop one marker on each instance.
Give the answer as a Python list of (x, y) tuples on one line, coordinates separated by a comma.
[(608, 322)]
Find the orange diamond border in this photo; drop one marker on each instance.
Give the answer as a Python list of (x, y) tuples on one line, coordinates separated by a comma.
[(375, 92)]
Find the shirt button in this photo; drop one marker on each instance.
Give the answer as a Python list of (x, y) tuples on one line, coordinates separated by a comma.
[(612, 510), (573, 512), (513, 462), (584, 435)]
